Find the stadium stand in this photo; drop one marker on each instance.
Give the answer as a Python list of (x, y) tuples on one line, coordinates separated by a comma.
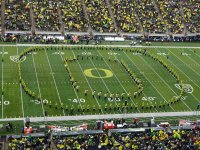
[(46, 15), (154, 138), (0, 14), (29, 142), (145, 16), (17, 16), (124, 15), (191, 15), (99, 16), (148, 16), (73, 16), (79, 142), (171, 15)]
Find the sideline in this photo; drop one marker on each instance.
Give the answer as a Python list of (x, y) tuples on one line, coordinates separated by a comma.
[(137, 46), (106, 116)]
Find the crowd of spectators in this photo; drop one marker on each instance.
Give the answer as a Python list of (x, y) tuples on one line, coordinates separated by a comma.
[(125, 16), (170, 11), (79, 142), (31, 143), (138, 140), (73, 16), (0, 14), (132, 16), (149, 18), (191, 15), (17, 15), (46, 15), (99, 16), (154, 140)]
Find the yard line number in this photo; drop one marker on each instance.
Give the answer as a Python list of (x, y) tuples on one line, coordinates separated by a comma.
[(75, 100), (5, 103)]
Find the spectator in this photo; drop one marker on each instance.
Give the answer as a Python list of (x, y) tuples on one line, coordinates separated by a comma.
[(17, 16), (73, 16), (46, 15), (171, 15), (99, 16), (191, 15), (124, 15)]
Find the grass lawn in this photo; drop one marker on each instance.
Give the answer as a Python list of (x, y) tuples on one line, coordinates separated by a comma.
[(81, 80)]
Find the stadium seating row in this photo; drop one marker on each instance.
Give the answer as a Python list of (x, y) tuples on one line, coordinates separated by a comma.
[(148, 139), (191, 15), (17, 16), (73, 16), (29, 143), (134, 16)]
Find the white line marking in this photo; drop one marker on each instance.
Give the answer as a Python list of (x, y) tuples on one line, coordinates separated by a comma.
[(118, 79), (149, 81), (2, 83), (73, 87), (38, 84), (174, 92), (54, 80), (163, 81), (187, 77), (102, 80), (88, 83), (21, 92), (107, 116)]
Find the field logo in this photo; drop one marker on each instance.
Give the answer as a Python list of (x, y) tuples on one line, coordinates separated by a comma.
[(88, 73), (16, 58), (187, 88)]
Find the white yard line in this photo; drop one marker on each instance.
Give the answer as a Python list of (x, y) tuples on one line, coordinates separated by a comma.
[(188, 78), (102, 80), (21, 96), (194, 53), (181, 101), (21, 100), (73, 87), (149, 81), (38, 83), (2, 97), (118, 79), (164, 81), (191, 67), (188, 67), (88, 83), (54, 80)]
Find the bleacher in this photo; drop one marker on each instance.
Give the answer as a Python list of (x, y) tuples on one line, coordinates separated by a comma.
[(145, 16), (73, 16), (170, 11), (125, 16), (153, 138), (99, 16), (0, 14), (17, 15), (46, 15), (191, 15)]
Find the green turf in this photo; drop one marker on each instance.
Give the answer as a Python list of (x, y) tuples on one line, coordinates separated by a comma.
[(45, 74)]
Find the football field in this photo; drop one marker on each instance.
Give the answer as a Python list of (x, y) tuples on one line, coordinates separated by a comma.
[(81, 80)]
